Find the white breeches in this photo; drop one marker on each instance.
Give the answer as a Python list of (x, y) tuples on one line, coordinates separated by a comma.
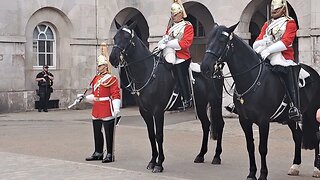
[(170, 56)]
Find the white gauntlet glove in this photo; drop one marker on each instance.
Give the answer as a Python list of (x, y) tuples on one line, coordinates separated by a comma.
[(116, 106), (174, 44), (89, 98), (162, 43), (264, 54), (273, 48), (161, 46)]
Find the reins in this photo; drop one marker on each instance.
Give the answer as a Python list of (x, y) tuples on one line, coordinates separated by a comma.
[(218, 66), (132, 82)]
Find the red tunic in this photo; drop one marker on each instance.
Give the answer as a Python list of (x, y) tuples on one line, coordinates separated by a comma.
[(287, 38), (108, 88), (185, 42)]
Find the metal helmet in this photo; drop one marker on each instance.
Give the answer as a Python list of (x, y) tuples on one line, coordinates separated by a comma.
[(177, 7), (102, 60), (275, 4)]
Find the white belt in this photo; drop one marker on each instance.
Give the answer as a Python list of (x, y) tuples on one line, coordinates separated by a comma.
[(101, 98)]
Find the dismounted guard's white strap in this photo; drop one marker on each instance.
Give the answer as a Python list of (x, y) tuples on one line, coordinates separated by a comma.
[(101, 98)]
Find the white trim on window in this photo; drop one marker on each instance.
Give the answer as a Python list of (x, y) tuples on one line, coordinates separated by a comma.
[(41, 46)]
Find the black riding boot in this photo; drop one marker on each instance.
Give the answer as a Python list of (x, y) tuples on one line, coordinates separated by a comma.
[(109, 132), (292, 84), (98, 141), (182, 77)]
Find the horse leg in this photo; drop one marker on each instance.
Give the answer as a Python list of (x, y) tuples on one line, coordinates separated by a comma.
[(247, 129), (148, 118), (205, 124), (216, 116), (159, 120), (316, 171), (263, 147), (297, 138)]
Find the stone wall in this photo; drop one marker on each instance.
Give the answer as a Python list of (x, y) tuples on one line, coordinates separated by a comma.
[(80, 26)]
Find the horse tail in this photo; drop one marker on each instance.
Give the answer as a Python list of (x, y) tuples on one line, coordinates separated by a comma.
[(310, 128), (216, 122), (213, 131)]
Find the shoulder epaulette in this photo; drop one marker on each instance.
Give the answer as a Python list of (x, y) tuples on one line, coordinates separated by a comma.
[(187, 22), (110, 81)]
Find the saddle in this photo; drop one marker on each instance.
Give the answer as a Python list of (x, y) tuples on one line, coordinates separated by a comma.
[(172, 103)]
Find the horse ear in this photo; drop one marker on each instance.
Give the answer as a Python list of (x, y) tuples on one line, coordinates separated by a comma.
[(132, 25), (232, 28), (118, 26)]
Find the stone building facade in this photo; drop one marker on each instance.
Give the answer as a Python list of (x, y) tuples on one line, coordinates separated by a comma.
[(66, 35)]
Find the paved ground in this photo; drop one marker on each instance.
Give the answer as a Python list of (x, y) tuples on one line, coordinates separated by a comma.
[(53, 145)]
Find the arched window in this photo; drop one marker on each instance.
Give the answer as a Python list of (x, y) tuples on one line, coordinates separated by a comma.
[(44, 45), (197, 26)]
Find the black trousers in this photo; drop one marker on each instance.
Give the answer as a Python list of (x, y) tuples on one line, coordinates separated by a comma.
[(44, 94), (99, 137), (181, 73)]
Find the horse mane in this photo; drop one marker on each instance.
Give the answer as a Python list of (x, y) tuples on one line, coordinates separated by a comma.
[(246, 46)]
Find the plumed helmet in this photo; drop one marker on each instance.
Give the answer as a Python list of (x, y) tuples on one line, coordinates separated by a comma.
[(275, 4), (177, 7), (102, 60)]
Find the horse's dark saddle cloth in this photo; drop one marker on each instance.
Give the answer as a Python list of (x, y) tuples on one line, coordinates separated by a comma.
[(304, 76)]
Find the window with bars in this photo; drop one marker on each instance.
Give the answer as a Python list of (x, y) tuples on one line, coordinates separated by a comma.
[(44, 45)]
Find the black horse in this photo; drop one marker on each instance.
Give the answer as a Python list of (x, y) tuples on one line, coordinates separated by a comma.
[(152, 84), (258, 93)]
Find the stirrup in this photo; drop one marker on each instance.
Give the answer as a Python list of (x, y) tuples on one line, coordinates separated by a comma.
[(294, 114), (187, 104)]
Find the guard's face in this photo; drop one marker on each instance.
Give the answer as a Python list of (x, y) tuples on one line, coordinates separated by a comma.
[(279, 12), (45, 69), (177, 17), (102, 69)]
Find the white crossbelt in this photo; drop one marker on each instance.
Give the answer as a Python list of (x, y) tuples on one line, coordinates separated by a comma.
[(101, 98)]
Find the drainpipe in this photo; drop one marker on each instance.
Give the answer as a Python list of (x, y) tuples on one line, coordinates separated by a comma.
[(96, 16), (268, 12)]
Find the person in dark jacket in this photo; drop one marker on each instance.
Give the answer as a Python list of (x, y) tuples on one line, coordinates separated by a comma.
[(45, 82)]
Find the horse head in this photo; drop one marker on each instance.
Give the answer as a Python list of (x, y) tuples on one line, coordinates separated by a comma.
[(218, 46), (123, 41)]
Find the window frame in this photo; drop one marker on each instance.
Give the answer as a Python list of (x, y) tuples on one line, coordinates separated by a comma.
[(35, 42)]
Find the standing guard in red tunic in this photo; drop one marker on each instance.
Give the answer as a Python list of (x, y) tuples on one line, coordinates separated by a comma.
[(106, 108)]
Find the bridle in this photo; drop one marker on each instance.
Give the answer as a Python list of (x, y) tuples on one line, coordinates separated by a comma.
[(218, 66), (123, 50), (219, 63), (132, 85)]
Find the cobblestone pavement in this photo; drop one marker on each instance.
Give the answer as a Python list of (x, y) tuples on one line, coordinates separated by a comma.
[(53, 145)]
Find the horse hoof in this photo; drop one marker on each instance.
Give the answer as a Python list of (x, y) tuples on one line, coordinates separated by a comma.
[(316, 173), (157, 169), (262, 178), (294, 170), (249, 178), (216, 161), (151, 166), (199, 159), (214, 136)]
